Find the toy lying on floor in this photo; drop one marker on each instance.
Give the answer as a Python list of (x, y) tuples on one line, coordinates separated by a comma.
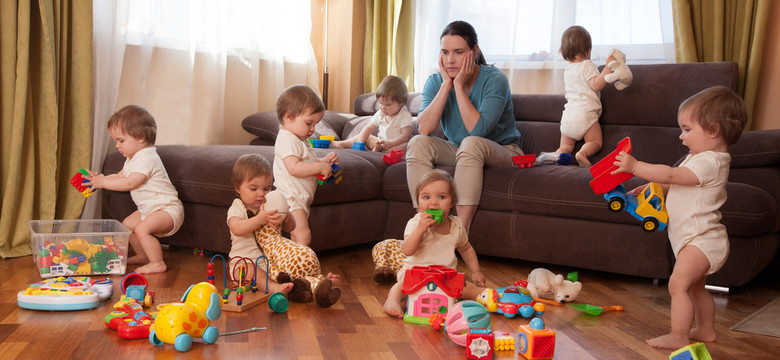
[(65, 294)]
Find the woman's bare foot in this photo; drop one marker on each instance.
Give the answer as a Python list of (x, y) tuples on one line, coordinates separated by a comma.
[(137, 259), (582, 159), (282, 288), (152, 268), (336, 279), (702, 334), (393, 308), (667, 341)]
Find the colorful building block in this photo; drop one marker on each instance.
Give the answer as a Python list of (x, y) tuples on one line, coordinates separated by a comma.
[(524, 161), (695, 351), (78, 181), (436, 214), (335, 176), (357, 145), (535, 342), (394, 156), (479, 343), (503, 341)]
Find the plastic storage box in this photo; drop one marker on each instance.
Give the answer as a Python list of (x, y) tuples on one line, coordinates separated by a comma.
[(79, 247)]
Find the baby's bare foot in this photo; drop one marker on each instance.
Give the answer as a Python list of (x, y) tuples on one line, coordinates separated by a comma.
[(582, 159), (137, 259), (702, 334), (393, 308), (667, 341), (282, 288), (152, 268), (336, 279)]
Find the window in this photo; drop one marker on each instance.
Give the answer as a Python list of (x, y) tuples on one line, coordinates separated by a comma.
[(525, 34)]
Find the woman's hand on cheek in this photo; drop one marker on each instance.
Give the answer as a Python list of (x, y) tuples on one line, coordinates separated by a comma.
[(466, 69), (442, 70)]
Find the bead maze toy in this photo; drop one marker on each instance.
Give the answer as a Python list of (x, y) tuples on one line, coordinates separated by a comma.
[(535, 341), (431, 290), (394, 156), (78, 181), (177, 323), (243, 283), (334, 178), (695, 351), (524, 161), (65, 294)]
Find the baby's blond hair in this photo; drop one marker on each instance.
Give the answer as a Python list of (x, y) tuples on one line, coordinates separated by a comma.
[(298, 100), (718, 109)]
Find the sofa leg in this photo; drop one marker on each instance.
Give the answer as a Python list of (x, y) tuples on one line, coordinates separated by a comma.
[(717, 289)]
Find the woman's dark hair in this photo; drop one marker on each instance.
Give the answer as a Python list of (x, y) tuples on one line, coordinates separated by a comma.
[(466, 31)]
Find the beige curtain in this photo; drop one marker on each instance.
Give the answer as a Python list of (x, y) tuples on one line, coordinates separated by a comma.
[(389, 47), (724, 30), (45, 108)]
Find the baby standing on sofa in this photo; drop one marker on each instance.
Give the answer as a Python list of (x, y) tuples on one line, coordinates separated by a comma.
[(582, 82), (295, 165), (252, 180), (160, 212), (711, 121), (393, 119), (428, 243)]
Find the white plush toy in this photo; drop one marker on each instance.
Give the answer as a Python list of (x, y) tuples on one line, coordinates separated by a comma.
[(542, 283), (621, 75)]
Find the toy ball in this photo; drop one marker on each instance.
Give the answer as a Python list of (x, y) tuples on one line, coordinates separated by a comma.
[(463, 316), (537, 324)]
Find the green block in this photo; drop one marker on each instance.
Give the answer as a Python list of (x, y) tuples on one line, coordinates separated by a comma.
[(437, 214)]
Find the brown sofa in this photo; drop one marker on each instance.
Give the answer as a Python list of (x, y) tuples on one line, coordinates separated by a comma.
[(545, 214)]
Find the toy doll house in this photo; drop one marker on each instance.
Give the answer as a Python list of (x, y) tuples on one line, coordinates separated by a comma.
[(431, 290)]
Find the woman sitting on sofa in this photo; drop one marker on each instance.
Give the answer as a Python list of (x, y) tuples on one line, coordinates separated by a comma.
[(473, 102)]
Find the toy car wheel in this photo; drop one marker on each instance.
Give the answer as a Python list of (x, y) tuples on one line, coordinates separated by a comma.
[(183, 342), (616, 204), (153, 339), (210, 335), (649, 224)]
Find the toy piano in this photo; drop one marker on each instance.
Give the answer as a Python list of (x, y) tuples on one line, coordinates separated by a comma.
[(65, 294)]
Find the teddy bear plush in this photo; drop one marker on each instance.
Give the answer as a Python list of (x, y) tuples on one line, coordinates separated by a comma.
[(543, 284), (289, 261), (621, 75)]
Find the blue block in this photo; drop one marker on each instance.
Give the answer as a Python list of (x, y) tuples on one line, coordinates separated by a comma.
[(136, 292), (359, 146)]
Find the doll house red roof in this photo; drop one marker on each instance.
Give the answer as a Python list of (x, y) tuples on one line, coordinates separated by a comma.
[(448, 280)]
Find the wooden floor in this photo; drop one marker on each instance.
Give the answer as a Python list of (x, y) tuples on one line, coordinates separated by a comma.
[(357, 328)]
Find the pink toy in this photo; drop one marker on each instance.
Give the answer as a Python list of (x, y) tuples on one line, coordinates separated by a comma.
[(431, 289), (463, 316), (603, 180)]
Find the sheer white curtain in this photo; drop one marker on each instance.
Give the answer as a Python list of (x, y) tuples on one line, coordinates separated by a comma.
[(201, 66), (522, 37)]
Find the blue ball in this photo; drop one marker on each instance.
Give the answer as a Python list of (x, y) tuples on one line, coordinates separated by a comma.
[(536, 323)]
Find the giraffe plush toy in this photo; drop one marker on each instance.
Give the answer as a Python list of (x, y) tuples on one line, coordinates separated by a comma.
[(388, 261), (289, 261)]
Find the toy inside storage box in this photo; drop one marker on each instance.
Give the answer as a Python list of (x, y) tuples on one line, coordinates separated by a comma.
[(79, 247)]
